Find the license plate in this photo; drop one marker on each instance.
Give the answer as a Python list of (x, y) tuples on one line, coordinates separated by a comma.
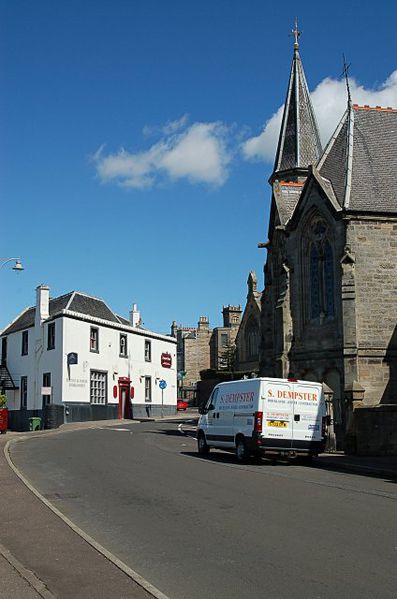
[(277, 423)]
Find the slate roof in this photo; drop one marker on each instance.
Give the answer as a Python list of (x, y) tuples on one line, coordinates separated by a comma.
[(360, 160), (91, 306), (299, 142), (73, 301), (26, 319)]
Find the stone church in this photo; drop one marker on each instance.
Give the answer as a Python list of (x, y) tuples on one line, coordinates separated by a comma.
[(329, 307)]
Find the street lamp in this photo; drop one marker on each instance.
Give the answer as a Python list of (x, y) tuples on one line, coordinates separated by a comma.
[(17, 266)]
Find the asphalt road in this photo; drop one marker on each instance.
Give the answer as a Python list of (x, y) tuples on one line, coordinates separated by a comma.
[(197, 527)]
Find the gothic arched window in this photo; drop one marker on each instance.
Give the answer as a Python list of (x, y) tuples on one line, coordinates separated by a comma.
[(252, 339), (321, 272)]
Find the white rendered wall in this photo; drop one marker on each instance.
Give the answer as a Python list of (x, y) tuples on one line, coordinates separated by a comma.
[(38, 361), (76, 378)]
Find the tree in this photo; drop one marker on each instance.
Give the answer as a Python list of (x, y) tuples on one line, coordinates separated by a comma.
[(228, 358)]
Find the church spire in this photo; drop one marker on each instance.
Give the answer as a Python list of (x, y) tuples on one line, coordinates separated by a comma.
[(299, 142)]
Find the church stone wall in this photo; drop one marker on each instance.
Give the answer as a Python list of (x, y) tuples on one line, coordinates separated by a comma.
[(316, 348), (373, 244)]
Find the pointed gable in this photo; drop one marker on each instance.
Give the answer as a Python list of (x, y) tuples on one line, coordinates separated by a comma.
[(333, 163), (360, 160), (299, 143), (286, 195)]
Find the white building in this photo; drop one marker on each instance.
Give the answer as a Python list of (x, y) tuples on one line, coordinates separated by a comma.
[(75, 353)]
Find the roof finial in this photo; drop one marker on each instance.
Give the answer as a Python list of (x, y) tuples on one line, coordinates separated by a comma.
[(345, 73), (296, 34)]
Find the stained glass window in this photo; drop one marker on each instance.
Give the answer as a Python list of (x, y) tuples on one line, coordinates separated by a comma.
[(329, 280), (314, 282)]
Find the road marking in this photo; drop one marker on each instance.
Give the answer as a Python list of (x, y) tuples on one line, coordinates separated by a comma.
[(123, 430), (180, 429)]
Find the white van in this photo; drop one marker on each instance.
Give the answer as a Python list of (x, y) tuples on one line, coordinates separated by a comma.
[(264, 416)]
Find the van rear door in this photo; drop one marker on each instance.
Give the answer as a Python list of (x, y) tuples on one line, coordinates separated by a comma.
[(308, 411), (277, 424)]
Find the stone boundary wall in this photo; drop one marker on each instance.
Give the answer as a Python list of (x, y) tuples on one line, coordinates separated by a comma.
[(376, 430)]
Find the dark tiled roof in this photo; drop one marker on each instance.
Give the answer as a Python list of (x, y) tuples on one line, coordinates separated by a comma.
[(299, 142), (361, 160), (90, 306), (74, 301), (334, 163), (123, 320), (374, 161), (26, 319)]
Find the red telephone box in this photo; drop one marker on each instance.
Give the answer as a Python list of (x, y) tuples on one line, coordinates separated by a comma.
[(124, 410)]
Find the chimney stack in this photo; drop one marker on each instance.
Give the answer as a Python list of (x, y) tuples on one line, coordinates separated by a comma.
[(135, 316), (203, 323), (42, 304)]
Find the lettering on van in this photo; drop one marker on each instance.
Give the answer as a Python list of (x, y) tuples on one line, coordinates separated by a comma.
[(294, 395), (232, 401)]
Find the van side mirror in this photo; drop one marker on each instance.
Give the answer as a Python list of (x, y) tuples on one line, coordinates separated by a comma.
[(205, 409)]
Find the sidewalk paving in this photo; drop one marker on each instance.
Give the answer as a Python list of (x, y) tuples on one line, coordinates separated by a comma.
[(382, 466)]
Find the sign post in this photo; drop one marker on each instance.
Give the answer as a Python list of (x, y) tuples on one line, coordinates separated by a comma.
[(162, 385)]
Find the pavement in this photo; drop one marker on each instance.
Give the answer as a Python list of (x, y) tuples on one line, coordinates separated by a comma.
[(39, 550)]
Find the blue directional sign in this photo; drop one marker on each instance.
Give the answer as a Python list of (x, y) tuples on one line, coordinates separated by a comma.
[(162, 384)]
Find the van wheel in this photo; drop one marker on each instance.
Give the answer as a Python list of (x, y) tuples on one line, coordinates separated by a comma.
[(241, 450), (202, 446)]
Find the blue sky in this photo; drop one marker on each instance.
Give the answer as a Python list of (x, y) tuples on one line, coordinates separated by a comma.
[(134, 155)]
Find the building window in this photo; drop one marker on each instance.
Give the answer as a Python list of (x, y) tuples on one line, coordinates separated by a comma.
[(148, 388), (98, 387), (46, 399), (94, 339), (321, 273), (24, 392), (224, 339), (4, 351), (51, 336), (123, 346), (252, 340), (148, 350), (25, 343)]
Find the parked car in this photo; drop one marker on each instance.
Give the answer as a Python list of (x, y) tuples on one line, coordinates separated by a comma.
[(181, 404)]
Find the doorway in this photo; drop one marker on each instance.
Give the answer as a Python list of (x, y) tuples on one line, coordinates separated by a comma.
[(125, 409)]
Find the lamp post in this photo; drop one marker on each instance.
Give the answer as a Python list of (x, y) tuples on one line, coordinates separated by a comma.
[(17, 266)]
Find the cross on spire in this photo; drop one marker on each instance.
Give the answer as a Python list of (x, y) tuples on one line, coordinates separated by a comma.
[(296, 33)]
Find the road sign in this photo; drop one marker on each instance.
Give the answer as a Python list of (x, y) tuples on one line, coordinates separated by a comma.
[(166, 360), (162, 384)]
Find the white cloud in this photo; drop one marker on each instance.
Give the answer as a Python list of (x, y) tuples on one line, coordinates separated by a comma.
[(169, 128), (329, 102), (198, 153)]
